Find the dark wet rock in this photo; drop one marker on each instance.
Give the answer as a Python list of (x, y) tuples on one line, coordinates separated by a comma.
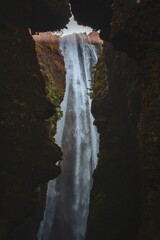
[(28, 155)]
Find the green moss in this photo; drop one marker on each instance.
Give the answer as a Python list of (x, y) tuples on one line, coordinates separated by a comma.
[(100, 84), (53, 71), (55, 95)]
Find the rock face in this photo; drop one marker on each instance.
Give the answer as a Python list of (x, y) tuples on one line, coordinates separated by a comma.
[(26, 151), (39, 15), (95, 39), (96, 14), (53, 70), (127, 120), (28, 156), (50, 58), (114, 208), (46, 38)]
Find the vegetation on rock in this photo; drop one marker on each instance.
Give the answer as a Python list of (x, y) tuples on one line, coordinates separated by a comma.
[(99, 84), (53, 70)]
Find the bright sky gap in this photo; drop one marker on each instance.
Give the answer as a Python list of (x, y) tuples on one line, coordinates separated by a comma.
[(73, 27)]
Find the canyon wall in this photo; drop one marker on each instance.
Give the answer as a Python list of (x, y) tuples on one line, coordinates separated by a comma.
[(114, 209), (126, 194), (28, 155), (53, 70)]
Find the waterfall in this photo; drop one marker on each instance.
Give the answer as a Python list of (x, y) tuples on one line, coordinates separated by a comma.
[(67, 200)]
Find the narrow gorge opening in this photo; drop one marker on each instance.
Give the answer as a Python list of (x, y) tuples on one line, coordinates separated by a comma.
[(67, 200)]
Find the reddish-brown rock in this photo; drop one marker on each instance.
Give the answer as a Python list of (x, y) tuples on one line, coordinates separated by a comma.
[(95, 38), (46, 37)]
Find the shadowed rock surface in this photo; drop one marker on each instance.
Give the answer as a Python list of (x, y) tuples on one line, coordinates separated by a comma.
[(28, 156), (130, 103)]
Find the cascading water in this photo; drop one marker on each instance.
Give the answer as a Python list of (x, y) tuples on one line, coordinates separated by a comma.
[(67, 201)]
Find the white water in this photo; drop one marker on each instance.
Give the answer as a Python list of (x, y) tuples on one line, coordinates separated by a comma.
[(67, 201)]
